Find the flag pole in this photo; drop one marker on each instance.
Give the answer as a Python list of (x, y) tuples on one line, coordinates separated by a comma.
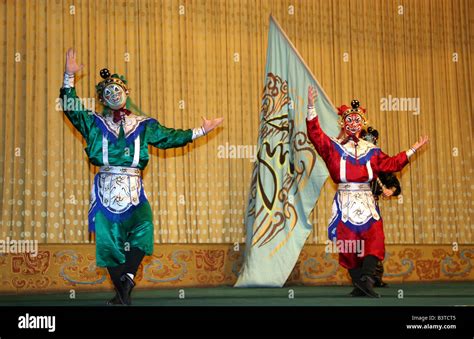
[(302, 60)]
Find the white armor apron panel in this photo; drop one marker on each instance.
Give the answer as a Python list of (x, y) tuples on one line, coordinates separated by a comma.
[(117, 188), (357, 203), (354, 205)]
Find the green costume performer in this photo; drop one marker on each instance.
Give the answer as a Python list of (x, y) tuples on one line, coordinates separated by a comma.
[(117, 142)]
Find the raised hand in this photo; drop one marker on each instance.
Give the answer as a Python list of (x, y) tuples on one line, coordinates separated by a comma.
[(71, 64), (312, 95), (209, 125), (419, 144)]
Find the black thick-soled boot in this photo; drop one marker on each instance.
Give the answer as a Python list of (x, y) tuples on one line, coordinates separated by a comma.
[(355, 275), (366, 285), (123, 282), (115, 274), (133, 259), (125, 292), (366, 281), (379, 275), (115, 300), (357, 292)]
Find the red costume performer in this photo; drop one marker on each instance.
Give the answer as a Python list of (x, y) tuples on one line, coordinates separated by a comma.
[(353, 163)]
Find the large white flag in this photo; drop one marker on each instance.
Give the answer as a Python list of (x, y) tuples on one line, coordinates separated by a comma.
[(288, 174)]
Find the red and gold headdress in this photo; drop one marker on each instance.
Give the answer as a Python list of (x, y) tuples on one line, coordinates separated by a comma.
[(355, 108)]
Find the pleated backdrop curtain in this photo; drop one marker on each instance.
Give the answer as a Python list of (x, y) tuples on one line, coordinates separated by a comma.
[(187, 59)]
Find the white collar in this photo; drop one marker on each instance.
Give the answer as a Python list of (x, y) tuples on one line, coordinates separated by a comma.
[(130, 125), (363, 147)]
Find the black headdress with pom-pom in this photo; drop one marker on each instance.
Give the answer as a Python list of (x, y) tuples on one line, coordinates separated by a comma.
[(109, 79), (371, 135)]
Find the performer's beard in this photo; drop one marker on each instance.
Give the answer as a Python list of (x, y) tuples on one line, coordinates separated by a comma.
[(114, 96)]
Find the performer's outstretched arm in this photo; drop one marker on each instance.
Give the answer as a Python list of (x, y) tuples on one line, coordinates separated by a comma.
[(81, 118), (164, 137), (318, 138), (396, 163)]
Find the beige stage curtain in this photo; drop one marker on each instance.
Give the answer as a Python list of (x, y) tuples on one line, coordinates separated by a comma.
[(187, 59)]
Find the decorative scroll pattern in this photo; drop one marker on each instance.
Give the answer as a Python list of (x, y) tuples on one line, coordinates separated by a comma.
[(278, 209), (62, 267), (79, 269)]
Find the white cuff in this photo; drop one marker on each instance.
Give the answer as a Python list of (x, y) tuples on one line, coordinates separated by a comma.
[(311, 113), (198, 132), (410, 152), (68, 81)]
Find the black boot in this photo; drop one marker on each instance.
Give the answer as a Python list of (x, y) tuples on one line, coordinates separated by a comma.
[(115, 300), (115, 274), (355, 276), (126, 289), (133, 259), (378, 275), (357, 292), (122, 282), (123, 295), (366, 285), (366, 281)]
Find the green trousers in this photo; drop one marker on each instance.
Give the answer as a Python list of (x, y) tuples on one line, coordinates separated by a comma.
[(113, 238)]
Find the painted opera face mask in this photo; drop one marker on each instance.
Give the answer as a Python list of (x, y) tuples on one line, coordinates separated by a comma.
[(353, 124), (114, 96)]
